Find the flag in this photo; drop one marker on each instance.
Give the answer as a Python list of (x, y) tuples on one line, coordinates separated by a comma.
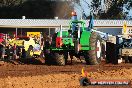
[(91, 22), (125, 28), (84, 73)]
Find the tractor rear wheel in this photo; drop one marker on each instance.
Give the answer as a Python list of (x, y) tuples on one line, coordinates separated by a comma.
[(103, 51), (93, 57)]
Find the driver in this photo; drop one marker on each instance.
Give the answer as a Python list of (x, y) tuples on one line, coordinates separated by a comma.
[(76, 27)]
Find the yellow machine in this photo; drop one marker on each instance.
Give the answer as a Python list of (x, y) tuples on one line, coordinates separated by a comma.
[(33, 34), (28, 44)]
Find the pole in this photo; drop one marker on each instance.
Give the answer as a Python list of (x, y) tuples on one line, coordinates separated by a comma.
[(79, 32), (16, 32), (6, 38), (60, 30), (49, 31), (40, 37), (21, 32)]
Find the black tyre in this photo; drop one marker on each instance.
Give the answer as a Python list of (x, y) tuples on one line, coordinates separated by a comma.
[(109, 47), (130, 59), (93, 57), (103, 51), (112, 52), (59, 59), (127, 60)]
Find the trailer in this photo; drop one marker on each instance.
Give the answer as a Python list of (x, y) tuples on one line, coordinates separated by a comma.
[(120, 45)]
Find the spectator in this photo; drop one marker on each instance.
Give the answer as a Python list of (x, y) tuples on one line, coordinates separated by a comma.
[(15, 52), (9, 52), (38, 40), (18, 52), (42, 43), (23, 53), (2, 48), (35, 38)]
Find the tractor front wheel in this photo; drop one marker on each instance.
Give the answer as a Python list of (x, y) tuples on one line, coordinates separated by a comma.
[(60, 59)]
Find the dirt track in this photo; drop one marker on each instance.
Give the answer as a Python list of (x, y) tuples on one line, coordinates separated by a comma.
[(35, 74)]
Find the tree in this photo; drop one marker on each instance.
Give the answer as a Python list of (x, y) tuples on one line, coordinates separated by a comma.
[(10, 2), (36, 9), (116, 10), (113, 11)]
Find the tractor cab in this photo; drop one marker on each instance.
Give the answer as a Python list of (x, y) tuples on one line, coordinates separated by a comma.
[(76, 24)]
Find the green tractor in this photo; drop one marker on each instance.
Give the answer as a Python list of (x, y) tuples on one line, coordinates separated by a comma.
[(78, 41)]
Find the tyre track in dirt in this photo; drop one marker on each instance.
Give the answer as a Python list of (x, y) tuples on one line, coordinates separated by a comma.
[(9, 69)]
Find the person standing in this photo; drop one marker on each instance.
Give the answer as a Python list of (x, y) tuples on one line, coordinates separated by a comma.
[(9, 52), (2, 48), (15, 51)]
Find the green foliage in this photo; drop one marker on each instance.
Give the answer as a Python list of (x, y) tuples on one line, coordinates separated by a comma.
[(95, 4), (115, 11)]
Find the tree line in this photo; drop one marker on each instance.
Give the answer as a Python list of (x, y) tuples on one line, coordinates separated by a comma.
[(48, 9), (34, 9), (114, 10)]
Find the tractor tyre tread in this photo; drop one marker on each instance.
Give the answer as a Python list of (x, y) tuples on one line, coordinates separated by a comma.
[(91, 57), (59, 59)]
